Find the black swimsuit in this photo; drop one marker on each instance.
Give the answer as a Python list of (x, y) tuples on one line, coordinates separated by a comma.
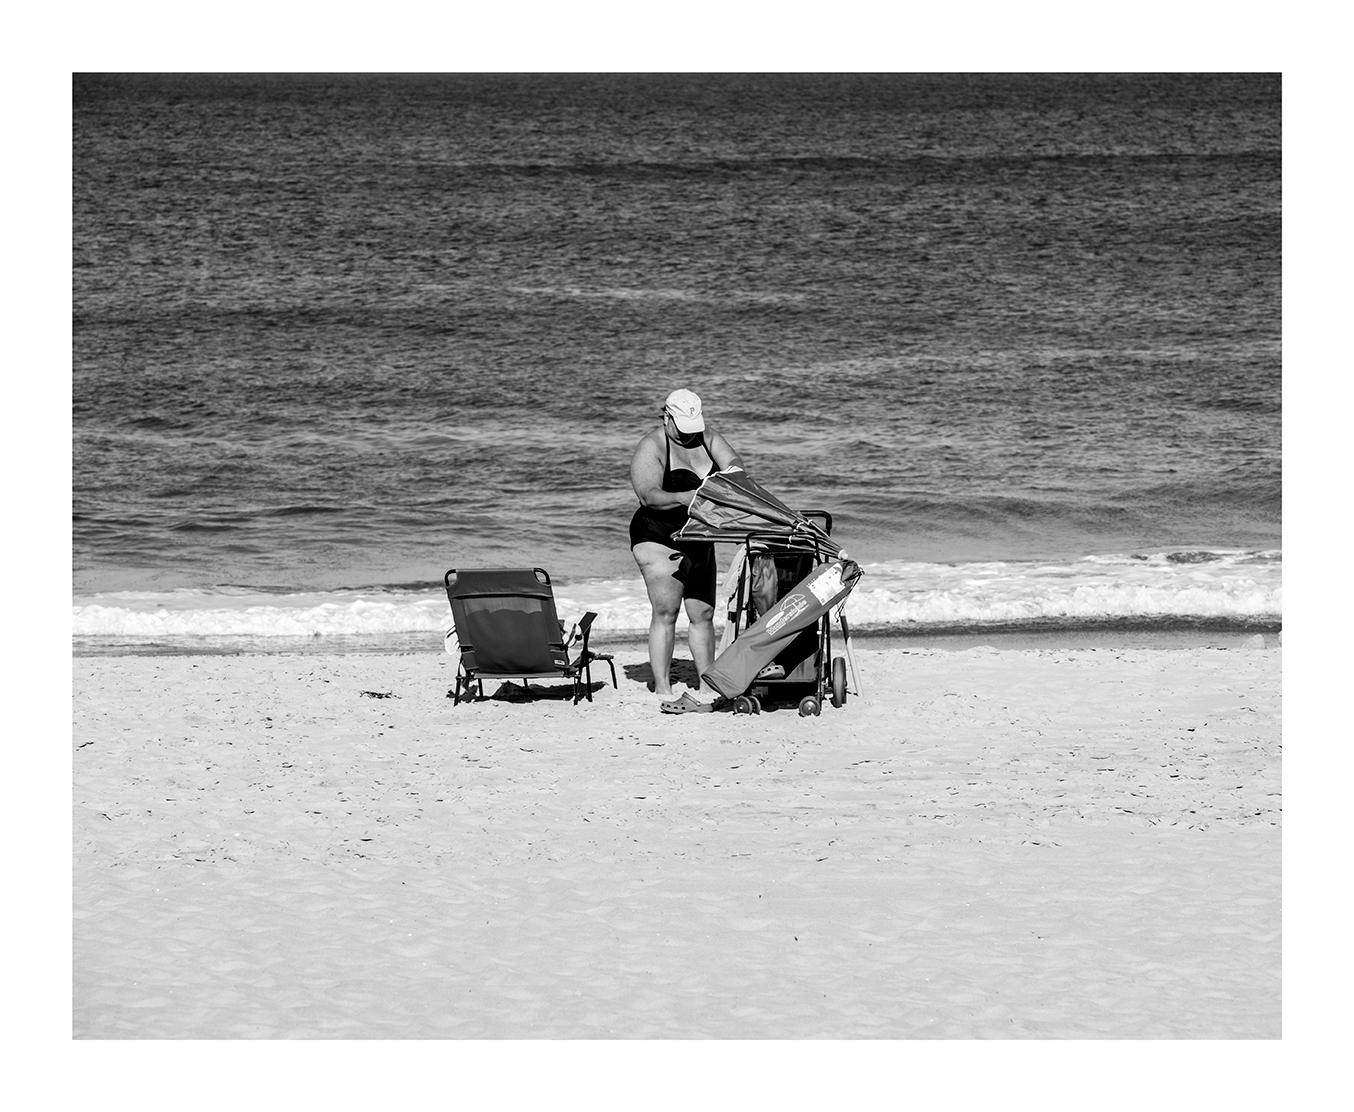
[(696, 571)]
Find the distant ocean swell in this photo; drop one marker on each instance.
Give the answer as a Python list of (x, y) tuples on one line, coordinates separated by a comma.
[(335, 333), (1222, 590), (577, 534)]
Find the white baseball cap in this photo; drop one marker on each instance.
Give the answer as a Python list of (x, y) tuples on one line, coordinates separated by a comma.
[(684, 408)]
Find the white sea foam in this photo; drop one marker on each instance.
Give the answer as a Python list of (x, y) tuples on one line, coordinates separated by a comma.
[(1243, 587)]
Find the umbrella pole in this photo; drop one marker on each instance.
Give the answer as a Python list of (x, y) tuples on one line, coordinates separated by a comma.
[(850, 656)]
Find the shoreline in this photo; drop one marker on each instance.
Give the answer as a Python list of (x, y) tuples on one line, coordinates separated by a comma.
[(1201, 635), (1046, 842)]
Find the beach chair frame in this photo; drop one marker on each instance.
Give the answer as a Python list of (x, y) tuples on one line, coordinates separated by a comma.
[(508, 629)]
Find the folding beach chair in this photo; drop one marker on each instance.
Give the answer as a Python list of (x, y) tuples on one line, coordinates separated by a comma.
[(507, 629)]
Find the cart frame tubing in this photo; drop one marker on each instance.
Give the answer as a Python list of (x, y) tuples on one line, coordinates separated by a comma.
[(807, 545), (804, 545)]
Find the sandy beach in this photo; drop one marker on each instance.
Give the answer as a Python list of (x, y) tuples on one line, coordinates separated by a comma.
[(992, 842)]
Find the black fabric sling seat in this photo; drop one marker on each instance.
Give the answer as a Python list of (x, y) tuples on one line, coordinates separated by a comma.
[(508, 629)]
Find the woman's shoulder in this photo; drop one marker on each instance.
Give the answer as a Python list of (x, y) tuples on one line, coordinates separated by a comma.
[(714, 439), (650, 442)]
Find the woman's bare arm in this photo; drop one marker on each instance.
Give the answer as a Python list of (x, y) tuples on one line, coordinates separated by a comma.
[(723, 455), (646, 476)]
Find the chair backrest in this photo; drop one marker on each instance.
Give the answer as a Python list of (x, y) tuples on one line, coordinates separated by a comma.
[(506, 621)]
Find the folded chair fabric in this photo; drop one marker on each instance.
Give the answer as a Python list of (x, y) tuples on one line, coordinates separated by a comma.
[(826, 586), (506, 628)]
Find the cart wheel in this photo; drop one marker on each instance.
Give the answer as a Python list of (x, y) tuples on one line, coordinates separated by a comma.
[(756, 704), (838, 682), (809, 705), (742, 705)]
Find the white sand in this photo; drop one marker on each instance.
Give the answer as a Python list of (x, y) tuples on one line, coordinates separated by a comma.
[(1018, 843)]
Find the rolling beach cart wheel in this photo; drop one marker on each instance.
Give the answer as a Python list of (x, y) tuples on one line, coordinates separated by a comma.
[(838, 682), (809, 705)]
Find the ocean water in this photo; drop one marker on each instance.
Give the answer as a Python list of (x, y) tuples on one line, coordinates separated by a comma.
[(335, 334)]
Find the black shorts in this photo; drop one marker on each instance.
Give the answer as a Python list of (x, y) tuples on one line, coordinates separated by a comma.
[(696, 571)]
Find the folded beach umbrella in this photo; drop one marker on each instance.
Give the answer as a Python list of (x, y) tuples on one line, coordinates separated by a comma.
[(729, 505)]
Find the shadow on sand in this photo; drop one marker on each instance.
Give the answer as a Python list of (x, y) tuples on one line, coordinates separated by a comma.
[(538, 692), (683, 671)]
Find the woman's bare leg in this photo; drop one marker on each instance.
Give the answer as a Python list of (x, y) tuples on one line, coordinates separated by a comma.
[(657, 563), (700, 634)]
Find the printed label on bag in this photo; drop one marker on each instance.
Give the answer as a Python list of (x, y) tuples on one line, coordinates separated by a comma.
[(828, 584)]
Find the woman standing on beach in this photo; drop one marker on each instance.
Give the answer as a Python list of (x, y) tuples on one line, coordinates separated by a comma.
[(668, 465)]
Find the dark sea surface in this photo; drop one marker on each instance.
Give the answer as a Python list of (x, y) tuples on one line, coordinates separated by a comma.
[(333, 334)]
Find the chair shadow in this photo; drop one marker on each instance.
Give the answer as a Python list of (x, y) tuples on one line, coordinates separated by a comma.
[(683, 671), (543, 692)]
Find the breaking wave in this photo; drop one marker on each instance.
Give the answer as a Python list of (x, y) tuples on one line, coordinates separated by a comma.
[(1220, 589)]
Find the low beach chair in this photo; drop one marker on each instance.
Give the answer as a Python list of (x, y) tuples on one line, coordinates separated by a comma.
[(506, 628)]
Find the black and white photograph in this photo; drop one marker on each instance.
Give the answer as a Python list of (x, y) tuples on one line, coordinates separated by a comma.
[(684, 555)]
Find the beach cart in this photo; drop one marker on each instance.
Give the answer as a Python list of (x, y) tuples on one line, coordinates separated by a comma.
[(788, 582)]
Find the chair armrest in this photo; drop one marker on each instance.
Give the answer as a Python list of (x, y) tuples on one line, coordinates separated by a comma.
[(584, 630)]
